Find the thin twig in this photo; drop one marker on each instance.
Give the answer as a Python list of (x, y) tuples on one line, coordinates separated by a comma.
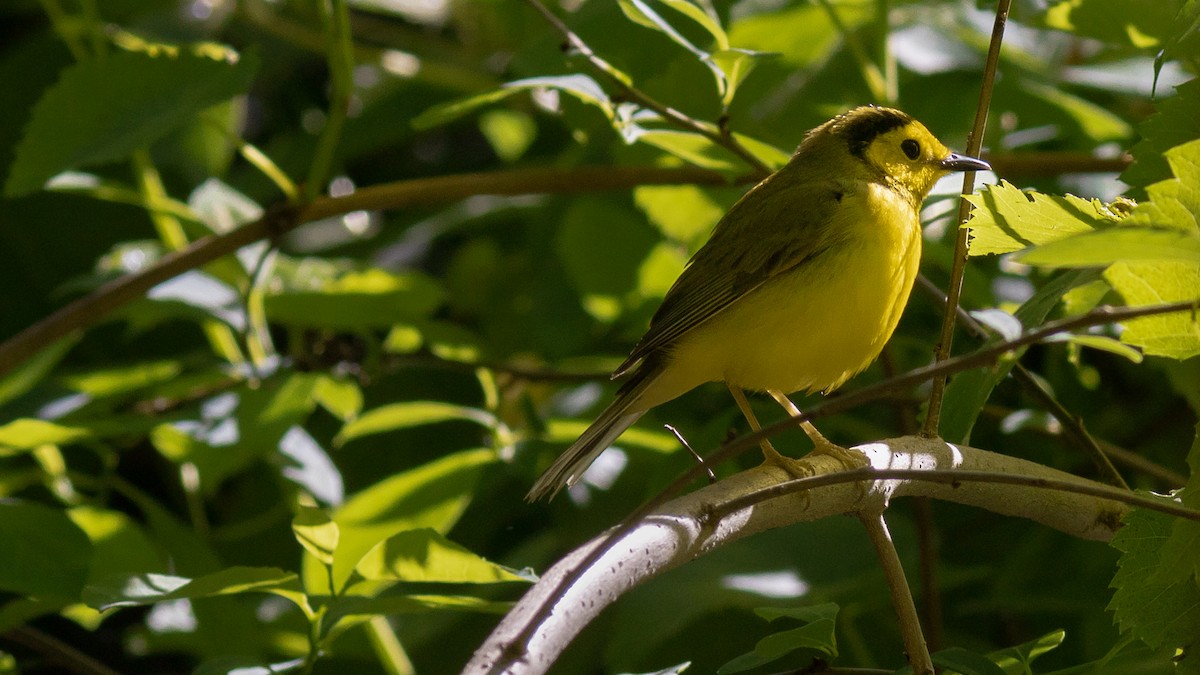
[(902, 600), (621, 81), (57, 652), (953, 476), (958, 268)]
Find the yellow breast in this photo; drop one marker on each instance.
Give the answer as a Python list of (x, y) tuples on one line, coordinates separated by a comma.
[(816, 325)]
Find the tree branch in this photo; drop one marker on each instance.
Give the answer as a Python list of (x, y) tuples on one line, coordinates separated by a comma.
[(89, 310), (695, 524)]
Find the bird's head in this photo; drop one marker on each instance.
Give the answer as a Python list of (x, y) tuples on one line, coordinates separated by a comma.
[(889, 142)]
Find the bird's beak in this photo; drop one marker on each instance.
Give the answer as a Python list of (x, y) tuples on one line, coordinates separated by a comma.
[(954, 162)]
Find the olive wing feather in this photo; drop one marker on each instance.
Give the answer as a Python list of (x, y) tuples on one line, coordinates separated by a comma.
[(770, 230)]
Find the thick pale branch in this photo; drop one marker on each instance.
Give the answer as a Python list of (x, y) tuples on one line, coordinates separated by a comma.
[(692, 525)]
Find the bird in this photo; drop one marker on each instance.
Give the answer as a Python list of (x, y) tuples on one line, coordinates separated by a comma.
[(799, 286)]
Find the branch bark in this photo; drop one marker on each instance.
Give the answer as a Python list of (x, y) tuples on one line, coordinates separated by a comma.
[(691, 526)]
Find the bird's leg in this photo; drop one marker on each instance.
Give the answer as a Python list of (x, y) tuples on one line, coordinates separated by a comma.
[(821, 445), (770, 454)]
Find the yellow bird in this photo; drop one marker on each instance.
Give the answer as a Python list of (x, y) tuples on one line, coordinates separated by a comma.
[(799, 287)]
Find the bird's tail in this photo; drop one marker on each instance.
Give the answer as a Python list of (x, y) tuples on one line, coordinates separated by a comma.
[(615, 419)]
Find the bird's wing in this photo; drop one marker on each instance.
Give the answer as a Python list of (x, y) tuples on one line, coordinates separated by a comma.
[(770, 230)]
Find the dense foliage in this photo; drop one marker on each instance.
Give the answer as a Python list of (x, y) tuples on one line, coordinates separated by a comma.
[(312, 453)]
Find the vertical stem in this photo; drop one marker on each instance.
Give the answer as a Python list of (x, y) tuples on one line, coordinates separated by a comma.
[(870, 72), (902, 600), (954, 292), (340, 58), (891, 80), (391, 653), (931, 596), (170, 231), (58, 19)]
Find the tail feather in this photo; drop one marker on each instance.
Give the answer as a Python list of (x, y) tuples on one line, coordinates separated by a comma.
[(615, 419)]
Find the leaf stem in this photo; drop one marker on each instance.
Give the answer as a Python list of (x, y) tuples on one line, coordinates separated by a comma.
[(958, 268)]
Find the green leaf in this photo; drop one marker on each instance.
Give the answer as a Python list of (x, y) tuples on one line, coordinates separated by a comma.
[(965, 662), (316, 532), (817, 635), (432, 495), (119, 545), (101, 110), (1100, 249), (147, 589), (1137, 23), (1016, 660), (605, 282), (46, 555), (581, 87), (1180, 553), (358, 301), (24, 434), (342, 397), (117, 381), (1156, 605), (1007, 219), (736, 65), (1174, 335), (349, 610), (685, 213), (509, 132), (1175, 123), (406, 415), (424, 555), (706, 20), (1101, 342), (566, 431), (444, 113), (692, 148), (803, 35)]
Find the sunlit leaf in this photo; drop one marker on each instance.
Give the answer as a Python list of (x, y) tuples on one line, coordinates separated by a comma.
[(23, 434), (146, 589), (432, 495), (1016, 660), (316, 532), (1100, 249), (1007, 219), (395, 416), (424, 555)]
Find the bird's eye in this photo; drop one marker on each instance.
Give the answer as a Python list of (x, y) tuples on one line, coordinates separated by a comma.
[(911, 148)]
